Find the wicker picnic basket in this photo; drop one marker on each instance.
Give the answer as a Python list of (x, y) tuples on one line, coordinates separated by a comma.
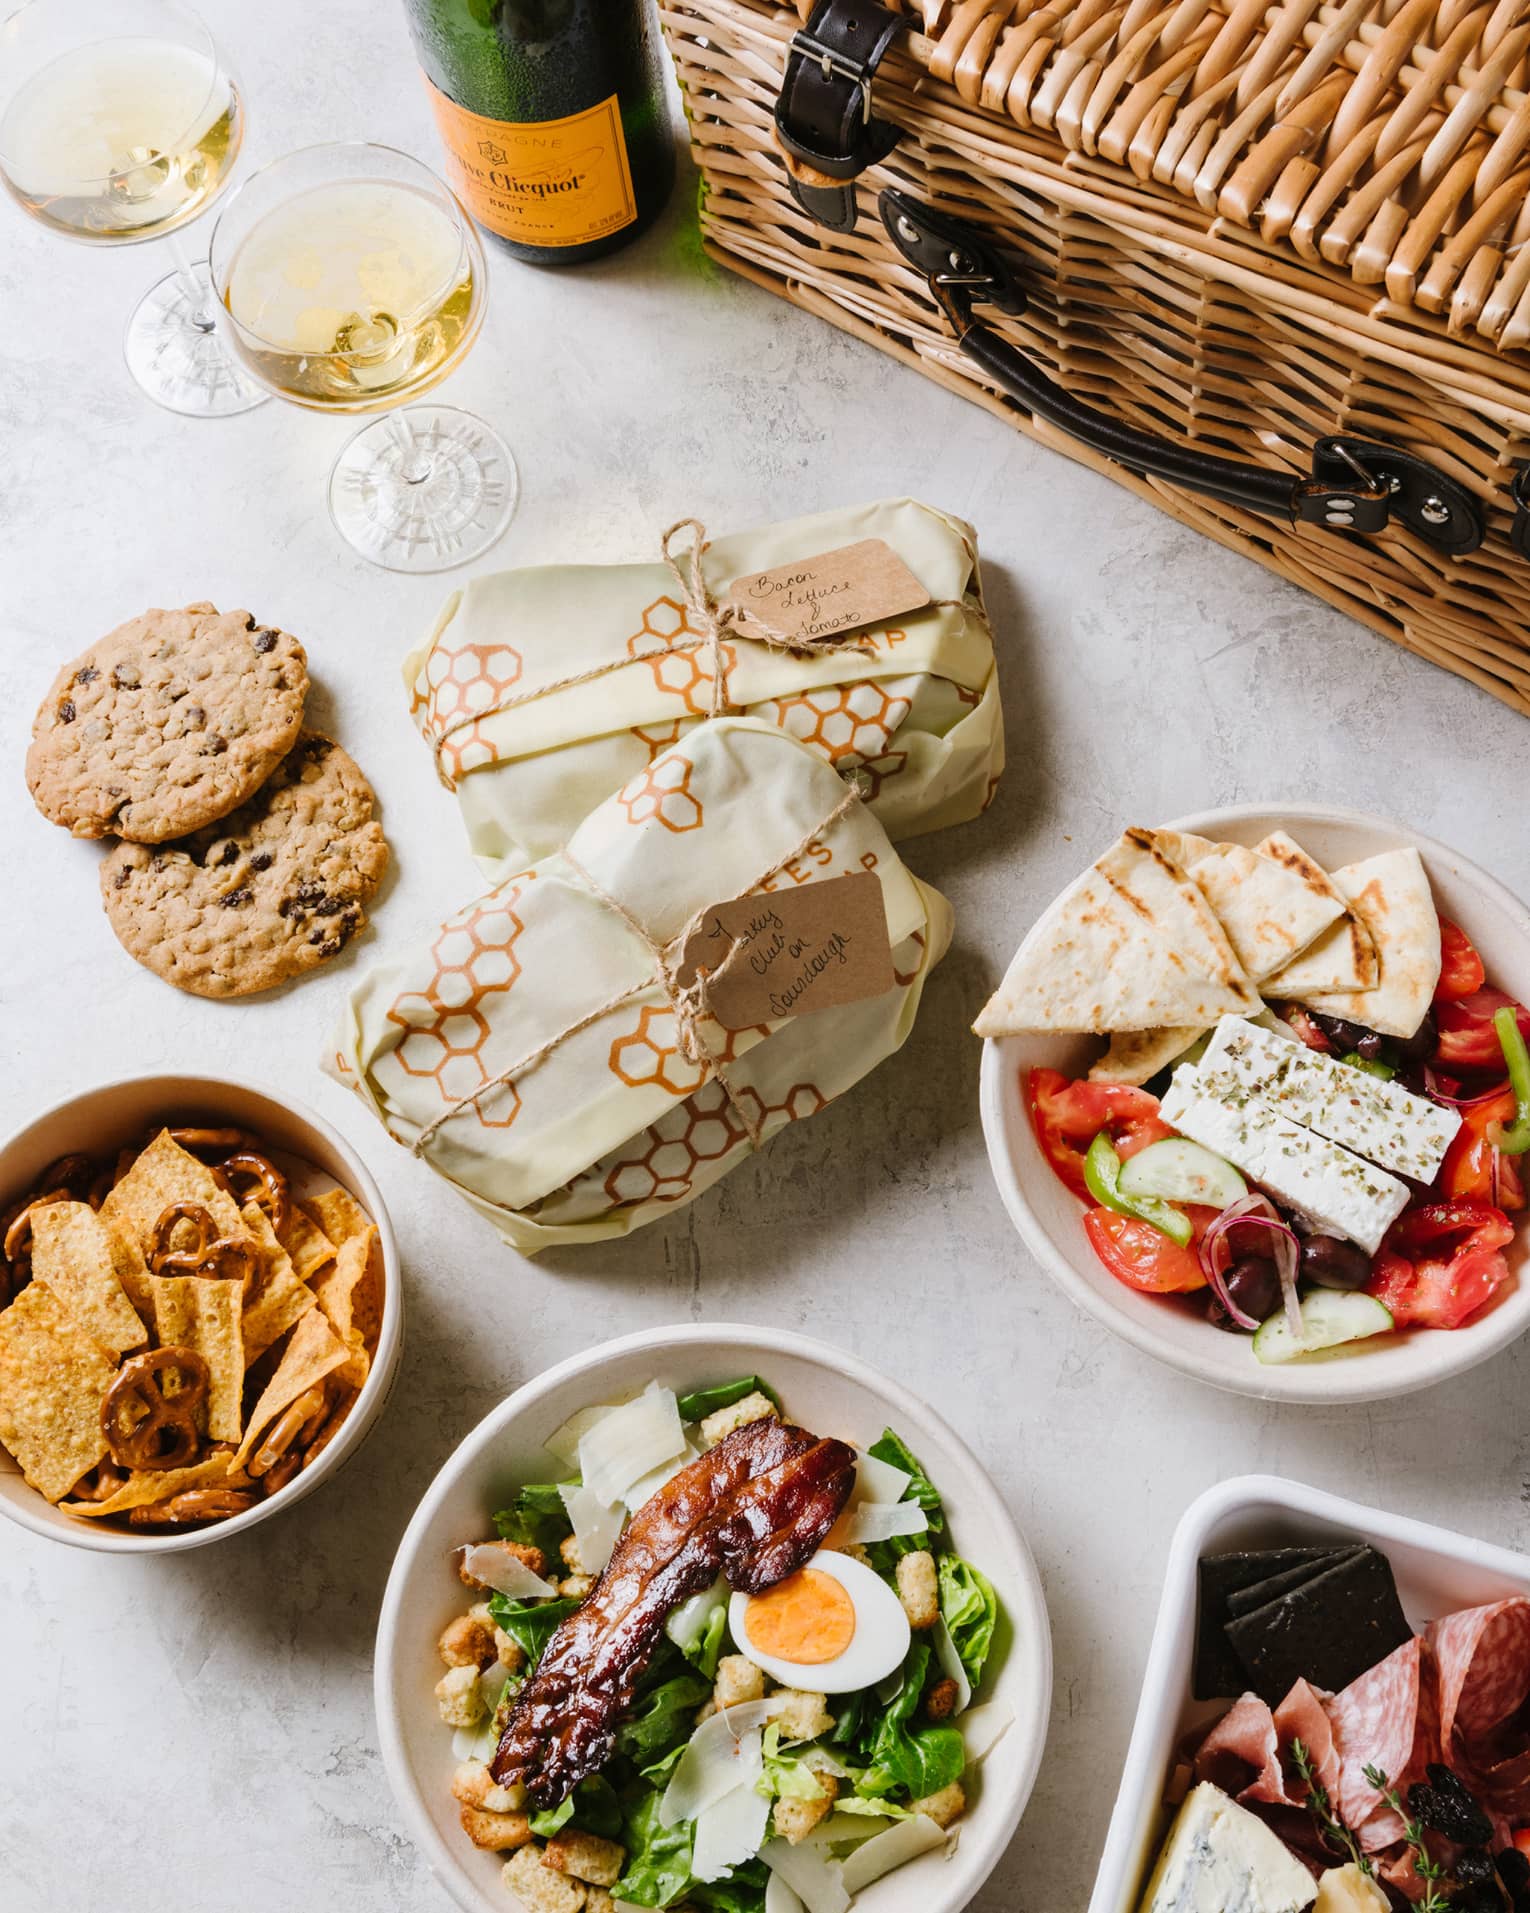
[(1265, 262)]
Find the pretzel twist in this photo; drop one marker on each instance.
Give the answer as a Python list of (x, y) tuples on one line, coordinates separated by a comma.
[(147, 1425)]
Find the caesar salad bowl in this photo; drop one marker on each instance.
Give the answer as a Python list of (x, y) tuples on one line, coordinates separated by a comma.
[(1048, 1216), (829, 1392)]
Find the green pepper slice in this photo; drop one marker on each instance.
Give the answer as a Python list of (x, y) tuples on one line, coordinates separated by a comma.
[(1102, 1178), (1514, 1140), (1372, 1065)]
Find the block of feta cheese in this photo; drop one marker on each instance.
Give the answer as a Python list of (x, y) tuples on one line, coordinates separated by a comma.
[(1331, 1188), (1220, 1858), (1377, 1119)]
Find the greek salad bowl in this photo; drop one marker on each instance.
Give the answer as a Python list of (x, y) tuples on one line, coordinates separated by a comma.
[(852, 1712), (1454, 951), (201, 1315)]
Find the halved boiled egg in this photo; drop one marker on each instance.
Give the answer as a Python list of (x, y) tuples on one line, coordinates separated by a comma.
[(832, 1627)]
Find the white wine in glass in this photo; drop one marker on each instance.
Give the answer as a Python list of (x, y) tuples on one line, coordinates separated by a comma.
[(120, 121), (352, 281)]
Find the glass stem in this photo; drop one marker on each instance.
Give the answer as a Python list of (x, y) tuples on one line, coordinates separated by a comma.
[(414, 462), (191, 280)]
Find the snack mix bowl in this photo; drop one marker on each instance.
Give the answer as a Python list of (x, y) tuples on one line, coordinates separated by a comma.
[(101, 1120), (827, 1391), (1049, 1217)]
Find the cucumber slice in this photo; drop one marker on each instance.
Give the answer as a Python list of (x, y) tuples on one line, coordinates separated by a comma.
[(1182, 1171), (1330, 1317)]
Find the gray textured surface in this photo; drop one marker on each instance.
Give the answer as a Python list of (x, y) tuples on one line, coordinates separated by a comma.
[(201, 1728)]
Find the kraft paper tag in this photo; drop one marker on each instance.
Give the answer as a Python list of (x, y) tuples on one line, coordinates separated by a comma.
[(786, 952), (861, 584)]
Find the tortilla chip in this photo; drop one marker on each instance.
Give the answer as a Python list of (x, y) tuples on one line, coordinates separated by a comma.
[(1272, 903), (163, 1174), (53, 1380), (1133, 945), (278, 1298), (351, 1294), (1391, 896), (1136, 1055), (203, 1312), (1344, 957), (308, 1247), (72, 1251), (149, 1485), (313, 1351), (338, 1214)]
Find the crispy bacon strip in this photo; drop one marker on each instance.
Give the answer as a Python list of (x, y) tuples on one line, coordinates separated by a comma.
[(754, 1508)]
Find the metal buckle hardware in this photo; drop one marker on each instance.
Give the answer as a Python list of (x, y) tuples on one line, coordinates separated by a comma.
[(834, 62)]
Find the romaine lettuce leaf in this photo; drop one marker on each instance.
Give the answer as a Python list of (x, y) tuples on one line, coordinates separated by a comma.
[(916, 1760), (536, 1518), (658, 1868), (592, 1807), (970, 1609), (706, 1401), (896, 1452), (661, 1719), (529, 1623)]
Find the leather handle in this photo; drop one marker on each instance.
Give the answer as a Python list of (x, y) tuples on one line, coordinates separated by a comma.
[(1354, 485)]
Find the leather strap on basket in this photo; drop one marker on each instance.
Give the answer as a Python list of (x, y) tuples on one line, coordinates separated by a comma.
[(824, 118), (1355, 485)]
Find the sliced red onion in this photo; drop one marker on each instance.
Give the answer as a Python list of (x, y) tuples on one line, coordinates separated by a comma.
[(1258, 1212), (1432, 1084)]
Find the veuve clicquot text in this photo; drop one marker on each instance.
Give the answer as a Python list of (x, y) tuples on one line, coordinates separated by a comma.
[(553, 116)]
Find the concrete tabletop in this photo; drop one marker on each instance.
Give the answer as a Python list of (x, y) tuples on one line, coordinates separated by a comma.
[(199, 1729)]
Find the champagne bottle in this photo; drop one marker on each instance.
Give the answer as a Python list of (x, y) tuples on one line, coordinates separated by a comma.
[(553, 116)]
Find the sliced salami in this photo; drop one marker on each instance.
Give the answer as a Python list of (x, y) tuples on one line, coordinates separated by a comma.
[(1483, 1657), (1386, 1719)]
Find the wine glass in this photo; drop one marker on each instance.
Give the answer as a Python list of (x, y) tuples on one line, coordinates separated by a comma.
[(351, 280), (120, 121)]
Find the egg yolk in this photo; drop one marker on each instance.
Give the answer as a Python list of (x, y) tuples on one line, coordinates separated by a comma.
[(808, 1618)]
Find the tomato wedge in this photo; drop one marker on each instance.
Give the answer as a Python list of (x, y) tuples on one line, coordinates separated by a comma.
[(1473, 1168), (1143, 1257), (1467, 1037), (1067, 1116), (1461, 969), (1441, 1262)]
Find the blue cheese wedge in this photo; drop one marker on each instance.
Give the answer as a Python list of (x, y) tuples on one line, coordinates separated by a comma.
[(1376, 1119), (1220, 1858), (1331, 1188)]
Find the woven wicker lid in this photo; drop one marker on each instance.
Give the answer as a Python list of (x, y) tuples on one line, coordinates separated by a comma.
[(1387, 139)]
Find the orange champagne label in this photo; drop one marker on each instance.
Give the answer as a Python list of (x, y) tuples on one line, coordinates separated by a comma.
[(547, 183)]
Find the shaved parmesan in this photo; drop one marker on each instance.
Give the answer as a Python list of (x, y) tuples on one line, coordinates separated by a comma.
[(686, 1624), (471, 1743), (902, 1842), (881, 1520), (564, 1442), (779, 1898), (489, 1563), (491, 1684), (844, 1827), (951, 1665), (878, 1480), (817, 1882), (597, 1528), (728, 1831), (723, 1753), (629, 1443), (982, 1728), (660, 1477)]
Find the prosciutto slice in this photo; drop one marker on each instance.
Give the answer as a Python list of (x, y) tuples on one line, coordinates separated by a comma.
[(1248, 1752), (1483, 1657), (1388, 1719)]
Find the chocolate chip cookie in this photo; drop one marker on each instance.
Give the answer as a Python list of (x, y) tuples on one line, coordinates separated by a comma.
[(273, 890), (167, 724)]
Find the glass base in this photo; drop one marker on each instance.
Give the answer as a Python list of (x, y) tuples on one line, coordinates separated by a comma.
[(174, 352), (423, 489)]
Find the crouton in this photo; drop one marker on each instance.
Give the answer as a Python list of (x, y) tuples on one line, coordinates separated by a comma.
[(474, 1786), (466, 1643), (940, 1702), (738, 1679), (510, 1654), (795, 1819), (495, 1832), (459, 1697), (802, 1715), (573, 1560), (919, 1588), (943, 1807), (538, 1888), (755, 1407), (855, 1551), (707, 1708), (585, 1856), (576, 1586), (532, 1558)]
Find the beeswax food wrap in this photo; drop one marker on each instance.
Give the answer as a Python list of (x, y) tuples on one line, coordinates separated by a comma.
[(531, 1051), (911, 704)]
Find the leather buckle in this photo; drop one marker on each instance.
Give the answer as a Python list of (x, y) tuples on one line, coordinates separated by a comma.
[(832, 63), (825, 115)]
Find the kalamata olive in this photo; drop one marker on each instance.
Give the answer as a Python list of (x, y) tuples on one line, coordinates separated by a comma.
[(1421, 1045), (1347, 1036), (1253, 1282), (1333, 1263)]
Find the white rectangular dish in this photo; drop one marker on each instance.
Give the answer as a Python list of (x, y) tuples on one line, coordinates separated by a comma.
[(1436, 1571)]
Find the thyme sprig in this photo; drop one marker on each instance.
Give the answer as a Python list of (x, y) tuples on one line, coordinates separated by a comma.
[(1429, 1870), (1331, 1829)]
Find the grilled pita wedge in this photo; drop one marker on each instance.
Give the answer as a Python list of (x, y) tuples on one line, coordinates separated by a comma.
[(1390, 895), (1344, 957)]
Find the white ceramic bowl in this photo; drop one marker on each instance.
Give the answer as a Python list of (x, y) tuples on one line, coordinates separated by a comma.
[(98, 1121), (1050, 1217), (825, 1390), (1437, 1571)]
